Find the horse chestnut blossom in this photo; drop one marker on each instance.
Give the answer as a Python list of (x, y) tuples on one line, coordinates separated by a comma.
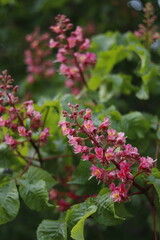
[(71, 53), (118, 163), (147, 31), (37, 57), (22, 121)]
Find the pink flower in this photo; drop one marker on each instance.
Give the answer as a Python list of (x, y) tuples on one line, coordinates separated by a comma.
[(111, 134), (44, 135), (52, 43), (90, 58), (109, 177), (22, 131), (9, 140), (88, 114), (71, 41), (85, 45), (121, 138), (61, 58), (64, 69), (89, 157), (104, 125), (99, 152), (109, 154), (78, 33), (81, 149), (131, 152), (65, 129), (78, 148), (124, 173), (89, 126), (56, 28), (97, 172), (75, 140), (146, 163), (36, 116), (118, 194), (30, 110)]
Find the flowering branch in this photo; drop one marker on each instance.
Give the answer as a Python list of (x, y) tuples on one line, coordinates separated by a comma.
[(147, 31), (72, 56), (18, 119), (108, 147)]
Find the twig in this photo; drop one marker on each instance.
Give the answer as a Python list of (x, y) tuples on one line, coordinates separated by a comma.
[(28, 165)]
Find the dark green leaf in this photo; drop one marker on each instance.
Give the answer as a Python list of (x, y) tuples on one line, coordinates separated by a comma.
[(34, 188), (9, 202), (52, 230), (82, 173)]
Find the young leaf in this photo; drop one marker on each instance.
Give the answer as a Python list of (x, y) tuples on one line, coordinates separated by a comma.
[(77, 230)]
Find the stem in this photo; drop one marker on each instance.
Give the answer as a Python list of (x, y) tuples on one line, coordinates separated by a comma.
[(154, 221), (37, 150), (80, 70), (135, 193), (21, 122), (156, 154), (77, 64), (57, 156), (20, 155), (28, 165), (154, 214), (90, 136)]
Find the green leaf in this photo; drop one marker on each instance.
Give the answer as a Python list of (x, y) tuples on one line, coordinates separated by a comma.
[(7, 159), (106, 62), (134, 125), (143, 92), (9, 202), (77, 230), (76, 212), (106, 212), (154, 178), (52, 230), (103, 42), (82, 173), (34, 188), (144, 56)]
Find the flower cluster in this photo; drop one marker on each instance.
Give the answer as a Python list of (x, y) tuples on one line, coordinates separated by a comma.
[(37, 56), (21, 122), (114, 162), (147, 31), (72, 53)]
